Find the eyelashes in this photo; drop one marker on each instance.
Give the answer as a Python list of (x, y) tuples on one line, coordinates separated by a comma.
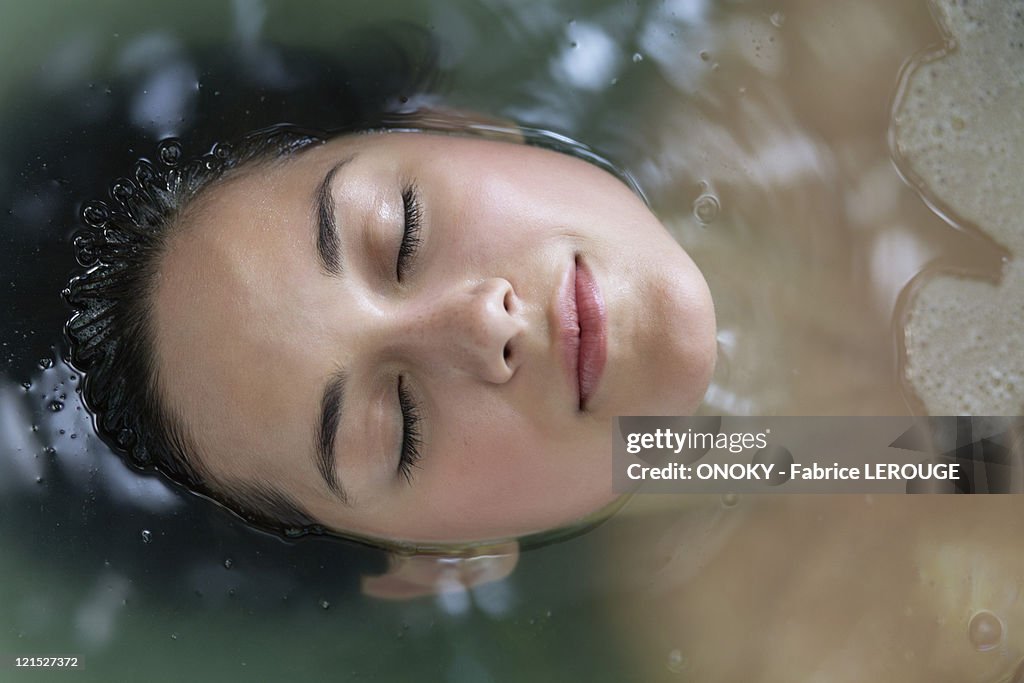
[(407, 250), (411, 235), (411, 441)]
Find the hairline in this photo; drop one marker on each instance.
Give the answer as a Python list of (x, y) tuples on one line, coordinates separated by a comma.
[(258, 501)]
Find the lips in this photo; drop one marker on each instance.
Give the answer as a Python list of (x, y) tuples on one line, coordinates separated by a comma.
[(584, 331)]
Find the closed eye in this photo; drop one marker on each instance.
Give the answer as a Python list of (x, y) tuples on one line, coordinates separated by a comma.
[(411, 440), (411, 235)]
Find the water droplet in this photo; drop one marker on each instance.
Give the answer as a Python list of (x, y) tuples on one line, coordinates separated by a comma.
[(39, 480), (222, 150), (324, 604), (122, 189), (704, 55), (637, 58), (174, 636), (985, 631), (706, 208), (676, 662), (730, 499), (95, 214), (45, 363), (228, 563), (777, 19), (144, 173), (55, 406), (26, 385), (35, 428), (147, 536), (170, 152)]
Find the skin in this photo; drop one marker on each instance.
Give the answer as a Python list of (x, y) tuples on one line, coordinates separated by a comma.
[(250, 327)]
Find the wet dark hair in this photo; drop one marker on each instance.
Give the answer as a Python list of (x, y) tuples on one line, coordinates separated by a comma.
[(124, 236)]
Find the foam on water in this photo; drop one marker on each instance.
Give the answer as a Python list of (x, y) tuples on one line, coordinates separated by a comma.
[(958, 135)]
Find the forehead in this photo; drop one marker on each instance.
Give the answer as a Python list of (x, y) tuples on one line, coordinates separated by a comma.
[(235, 311)]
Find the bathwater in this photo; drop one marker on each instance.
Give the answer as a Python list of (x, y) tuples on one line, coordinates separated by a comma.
[(846, 174)]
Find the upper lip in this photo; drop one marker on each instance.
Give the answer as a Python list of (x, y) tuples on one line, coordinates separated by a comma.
[(582, 330)]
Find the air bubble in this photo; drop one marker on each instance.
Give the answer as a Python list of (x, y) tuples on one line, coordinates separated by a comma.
[(144, 173), (985, 631), (45, 363), (122, 189), (704, 55), (730, 499), (777, 19), (170, 152), (55, 406), (222, 150), (228, 563), (325, 604), (637, 58), (147, 536), (706, 208), (676, 662), (95, 214)]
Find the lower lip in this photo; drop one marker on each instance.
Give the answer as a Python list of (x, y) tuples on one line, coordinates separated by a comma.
[(593, 344)]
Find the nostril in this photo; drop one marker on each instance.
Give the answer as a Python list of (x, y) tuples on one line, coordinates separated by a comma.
[(507, 301), (507, 352)]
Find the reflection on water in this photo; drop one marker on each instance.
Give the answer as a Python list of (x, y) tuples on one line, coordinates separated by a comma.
[(759, 130), (778, 129), (795, 146)]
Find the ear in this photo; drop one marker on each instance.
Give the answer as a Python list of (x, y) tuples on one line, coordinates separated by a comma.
[(419, 575)]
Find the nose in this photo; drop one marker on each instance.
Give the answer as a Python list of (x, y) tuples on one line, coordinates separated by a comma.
[(471, 328)]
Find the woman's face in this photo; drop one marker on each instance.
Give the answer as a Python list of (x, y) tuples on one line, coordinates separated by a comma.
[(425, 337)]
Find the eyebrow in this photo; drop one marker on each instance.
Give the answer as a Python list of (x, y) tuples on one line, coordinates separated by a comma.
[(328, 246), (330, 416)]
